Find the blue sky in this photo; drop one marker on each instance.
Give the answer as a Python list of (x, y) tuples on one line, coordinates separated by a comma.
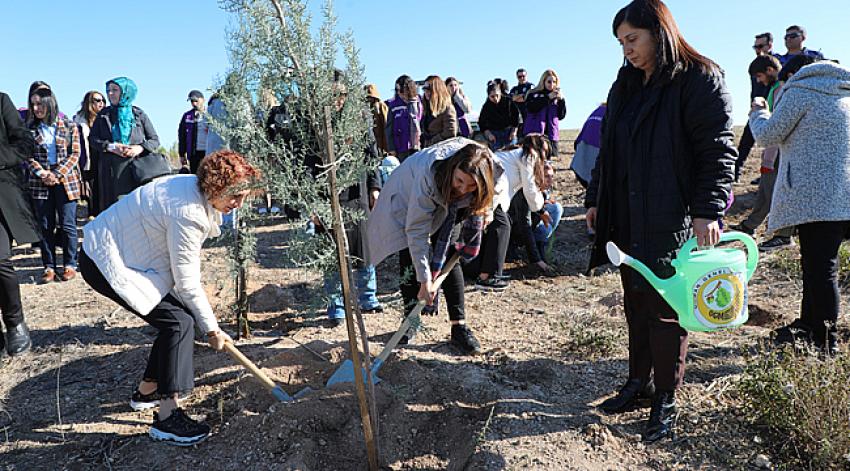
[(171, 47)]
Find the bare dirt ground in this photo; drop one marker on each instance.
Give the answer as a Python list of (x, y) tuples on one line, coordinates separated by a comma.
[(554, 346)]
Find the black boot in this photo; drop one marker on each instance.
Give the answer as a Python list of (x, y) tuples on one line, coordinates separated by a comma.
[(662, 417), (631, 395), (17, 339)]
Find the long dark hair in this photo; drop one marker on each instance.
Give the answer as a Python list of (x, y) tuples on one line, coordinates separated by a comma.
[(542, 146), (48, 101), (87, 107), (37, 85), (476, 161), (673, 53)]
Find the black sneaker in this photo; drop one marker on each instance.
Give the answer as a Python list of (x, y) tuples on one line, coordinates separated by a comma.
[(141, 401), (462, 338), (776, 243), (178, 429), (491, 284), (756, 181)]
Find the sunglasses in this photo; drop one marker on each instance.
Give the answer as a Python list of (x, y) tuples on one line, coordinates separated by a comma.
[(759, 46), (792, 35), (98, 100)]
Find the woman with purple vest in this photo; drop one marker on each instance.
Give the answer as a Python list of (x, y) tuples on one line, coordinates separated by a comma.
[(587, 146), (405, 113), (546, 107), (462, 106)]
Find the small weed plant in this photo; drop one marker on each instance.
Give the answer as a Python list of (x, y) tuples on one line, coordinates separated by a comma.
[(802, 401)]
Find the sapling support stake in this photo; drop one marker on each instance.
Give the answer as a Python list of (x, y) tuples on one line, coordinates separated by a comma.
[(366, 414)]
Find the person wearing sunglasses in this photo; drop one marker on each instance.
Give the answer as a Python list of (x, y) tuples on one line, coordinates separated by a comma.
[(93, 102), (763, 45), (518, 92), (794, 37)]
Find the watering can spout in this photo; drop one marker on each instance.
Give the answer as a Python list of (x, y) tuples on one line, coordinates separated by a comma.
[(618, 257)]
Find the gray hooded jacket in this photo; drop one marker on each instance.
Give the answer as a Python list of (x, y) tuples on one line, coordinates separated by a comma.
[(811, 126)]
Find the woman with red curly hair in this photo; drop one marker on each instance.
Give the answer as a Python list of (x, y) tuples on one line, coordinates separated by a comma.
[(144, 253)]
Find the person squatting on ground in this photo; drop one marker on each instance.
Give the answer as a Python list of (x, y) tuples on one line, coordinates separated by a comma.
[(522, 170), (405, 113), (499, 118), (144, 253), (17, 224), (766, 70), (462, 106), (192, 133), (439, 120), (433, 205), (545, 107), (810, 125), (665, 170), (121, 132), (93, 102), (535, 230), (54, 183)]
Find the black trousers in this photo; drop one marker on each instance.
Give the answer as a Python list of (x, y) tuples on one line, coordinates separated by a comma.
[(195, 160), (819, 243), (170, 360), (494, 247), (10, 291), (744, 147), (658, 345), (452, 286)]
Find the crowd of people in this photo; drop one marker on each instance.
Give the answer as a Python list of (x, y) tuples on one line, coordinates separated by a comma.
[(657, 159)]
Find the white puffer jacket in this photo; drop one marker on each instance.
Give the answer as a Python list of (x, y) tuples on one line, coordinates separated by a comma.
[(149, 244)]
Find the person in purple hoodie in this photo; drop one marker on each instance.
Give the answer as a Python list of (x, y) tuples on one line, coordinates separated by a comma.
[(587, 146), (405, 114), (462, 106), (545, 107)]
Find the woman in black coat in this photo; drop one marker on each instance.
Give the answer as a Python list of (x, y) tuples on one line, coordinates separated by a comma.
[(121, 132), (664, 172), (16, 222)]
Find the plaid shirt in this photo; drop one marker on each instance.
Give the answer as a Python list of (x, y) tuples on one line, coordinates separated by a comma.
[(65, 169)]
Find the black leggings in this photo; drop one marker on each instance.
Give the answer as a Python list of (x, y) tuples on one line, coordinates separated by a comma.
[(494, 247), (452, 286), (170, 360), (819, 243), (10, 291)]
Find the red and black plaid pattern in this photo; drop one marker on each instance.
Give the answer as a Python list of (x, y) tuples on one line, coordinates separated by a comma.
[(65, 169)]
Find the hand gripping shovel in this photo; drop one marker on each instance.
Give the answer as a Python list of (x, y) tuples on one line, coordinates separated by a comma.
[(275, 389), (345, 373)]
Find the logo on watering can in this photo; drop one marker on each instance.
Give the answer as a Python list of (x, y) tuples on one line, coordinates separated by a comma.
[(719, 297)]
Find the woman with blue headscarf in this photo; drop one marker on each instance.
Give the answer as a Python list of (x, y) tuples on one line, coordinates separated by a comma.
[(120, 133)]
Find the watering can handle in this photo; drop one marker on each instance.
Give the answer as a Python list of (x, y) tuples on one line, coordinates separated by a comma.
[(752, 248)]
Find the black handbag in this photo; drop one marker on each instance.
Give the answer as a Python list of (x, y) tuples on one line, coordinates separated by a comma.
[(147, 167)]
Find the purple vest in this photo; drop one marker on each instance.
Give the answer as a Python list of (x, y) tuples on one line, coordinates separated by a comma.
[(544, 121), (402, 134), (591, 132), (462, 120)]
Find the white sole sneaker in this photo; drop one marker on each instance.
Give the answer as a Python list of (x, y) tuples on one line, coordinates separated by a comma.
[(175, 440), (142, 405)]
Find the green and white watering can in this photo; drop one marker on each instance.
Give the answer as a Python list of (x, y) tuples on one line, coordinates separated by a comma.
[(709, 289)]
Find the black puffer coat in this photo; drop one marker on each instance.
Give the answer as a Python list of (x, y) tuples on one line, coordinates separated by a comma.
[(681, 163)]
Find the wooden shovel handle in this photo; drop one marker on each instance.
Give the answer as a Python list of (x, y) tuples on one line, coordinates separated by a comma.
[(238, 356), (405, 326)]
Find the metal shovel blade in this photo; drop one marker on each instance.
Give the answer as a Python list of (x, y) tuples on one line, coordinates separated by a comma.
[(345, 374), (281, 395)]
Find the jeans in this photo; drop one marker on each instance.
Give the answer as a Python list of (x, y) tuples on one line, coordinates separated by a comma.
[(819, 243), (503, 139), (57, 204), (366, 284), (543, 233)]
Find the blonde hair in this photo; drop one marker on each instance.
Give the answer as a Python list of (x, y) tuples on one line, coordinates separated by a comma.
[(440, 97), (541, 85)]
